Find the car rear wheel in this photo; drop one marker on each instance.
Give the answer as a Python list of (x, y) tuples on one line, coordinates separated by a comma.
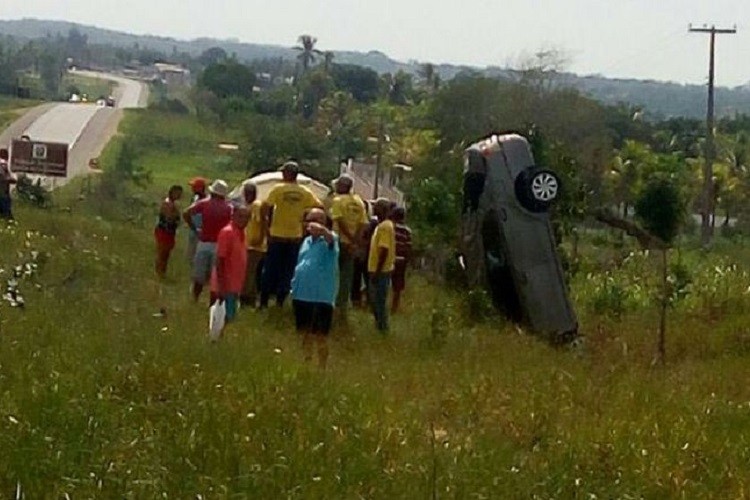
[(537, 189)]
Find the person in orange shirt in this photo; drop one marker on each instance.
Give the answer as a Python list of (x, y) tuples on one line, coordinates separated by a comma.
[(228, 277), (256, 245)]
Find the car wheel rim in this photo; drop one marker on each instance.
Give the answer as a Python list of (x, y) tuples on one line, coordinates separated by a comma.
[(544, 187)]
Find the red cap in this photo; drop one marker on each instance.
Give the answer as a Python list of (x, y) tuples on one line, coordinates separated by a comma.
[(198, 184)]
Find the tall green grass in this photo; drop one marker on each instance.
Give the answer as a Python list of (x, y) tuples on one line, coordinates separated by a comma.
[(99, 398)]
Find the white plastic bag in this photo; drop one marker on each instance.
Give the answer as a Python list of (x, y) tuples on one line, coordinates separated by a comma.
[(216, 319)]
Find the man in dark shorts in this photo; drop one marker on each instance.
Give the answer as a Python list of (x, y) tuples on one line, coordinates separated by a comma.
[(315, 284), (403, 255)]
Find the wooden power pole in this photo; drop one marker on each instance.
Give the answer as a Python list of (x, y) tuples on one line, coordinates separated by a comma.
[(707, 227), (376, 192)]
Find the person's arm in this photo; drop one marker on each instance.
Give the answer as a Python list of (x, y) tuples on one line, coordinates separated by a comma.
[(382, 257), (8, 176), (313, 201), (408, 246), (266, 212), (320, 231), (188, 214)]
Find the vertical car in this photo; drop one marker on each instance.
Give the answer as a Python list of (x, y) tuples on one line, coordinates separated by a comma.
[(508, 244)]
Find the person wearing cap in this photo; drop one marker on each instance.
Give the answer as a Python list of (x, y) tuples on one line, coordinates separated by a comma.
[(256, 244), (283, 214), (381, 262), (215, 214), (198, 187), (6, 180), (165, 231), (349, 220)]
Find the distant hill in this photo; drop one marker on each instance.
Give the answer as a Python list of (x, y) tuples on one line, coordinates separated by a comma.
[(659, 99)]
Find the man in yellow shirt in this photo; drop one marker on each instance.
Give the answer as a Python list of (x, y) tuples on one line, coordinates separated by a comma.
[(381, 262), (283, 213), (256, 244), (349, 220)]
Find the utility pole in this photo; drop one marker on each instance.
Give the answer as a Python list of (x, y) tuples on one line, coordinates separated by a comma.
[(707, 228), (379, 158)]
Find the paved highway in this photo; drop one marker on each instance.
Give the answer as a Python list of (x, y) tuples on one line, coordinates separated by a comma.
[(86, 128), (129, 93), (63, 123)]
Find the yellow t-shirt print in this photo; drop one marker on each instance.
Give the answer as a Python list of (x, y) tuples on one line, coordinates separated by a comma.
[(290, 201), (348, 210)]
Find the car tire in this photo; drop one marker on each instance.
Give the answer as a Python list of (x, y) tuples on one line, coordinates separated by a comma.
[(537, 189)]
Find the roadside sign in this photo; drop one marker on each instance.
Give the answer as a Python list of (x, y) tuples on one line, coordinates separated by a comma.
[(39, 158)]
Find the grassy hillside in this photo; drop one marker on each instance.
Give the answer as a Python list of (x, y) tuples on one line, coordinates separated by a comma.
[(99, 398), (11, 109)]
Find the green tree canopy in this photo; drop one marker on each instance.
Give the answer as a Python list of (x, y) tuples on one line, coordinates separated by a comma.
[(228, 78)]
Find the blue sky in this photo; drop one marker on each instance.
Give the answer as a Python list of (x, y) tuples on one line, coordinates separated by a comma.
[(626, 38)]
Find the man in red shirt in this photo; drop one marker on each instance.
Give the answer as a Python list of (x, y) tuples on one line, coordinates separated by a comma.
[(215, 213), (228, 277)]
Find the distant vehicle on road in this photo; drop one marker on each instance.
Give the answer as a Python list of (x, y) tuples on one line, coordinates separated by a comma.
[(508, 244), (110, 101), (101, 103), (74, 98)]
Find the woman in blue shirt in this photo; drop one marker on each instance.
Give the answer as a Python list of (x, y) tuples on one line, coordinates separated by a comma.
[(315, 285)]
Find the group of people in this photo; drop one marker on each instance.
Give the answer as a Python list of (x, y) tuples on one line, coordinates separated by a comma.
[(325, 254)]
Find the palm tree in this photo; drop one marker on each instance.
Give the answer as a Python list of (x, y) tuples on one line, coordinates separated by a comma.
[(307, 51), (328, 61), (427, 72)]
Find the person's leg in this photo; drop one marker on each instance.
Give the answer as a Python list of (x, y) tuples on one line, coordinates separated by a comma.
[(398, 284), (289, 262), (379, 295), (359, 275), (302, 319), (6, 211), (160, 262), (231, 302), (259, 272), (323, 319), (191, 247), (269, 280), (250, 290), (168, 253), (202, 267), (346, 277)]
